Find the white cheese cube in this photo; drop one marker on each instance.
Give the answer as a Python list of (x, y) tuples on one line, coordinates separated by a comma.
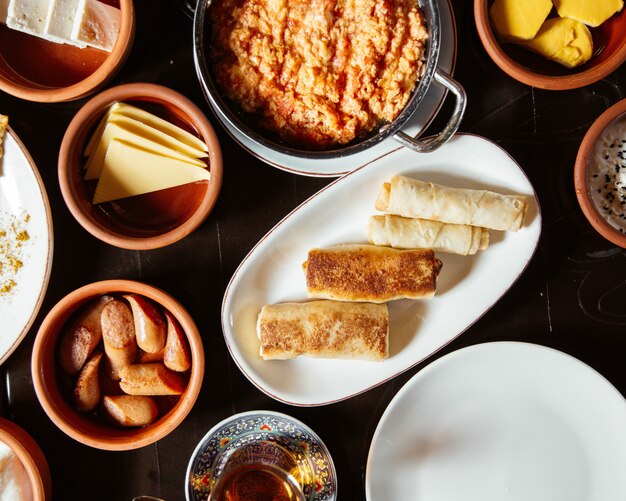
[(60, 21), (28, 16), (96, 24)]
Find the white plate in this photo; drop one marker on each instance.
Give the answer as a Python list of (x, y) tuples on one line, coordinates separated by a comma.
[(501, 422), (22, 192), (467, 286), (334, 167)]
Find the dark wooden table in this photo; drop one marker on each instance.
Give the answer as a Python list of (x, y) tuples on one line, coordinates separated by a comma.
[(572, 297)]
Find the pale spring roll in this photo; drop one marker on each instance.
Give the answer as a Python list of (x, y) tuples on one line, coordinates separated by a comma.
[(406, 233), (416, 199), (327, 329)]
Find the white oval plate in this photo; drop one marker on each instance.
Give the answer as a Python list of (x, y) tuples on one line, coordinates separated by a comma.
[(467, 286), (501, 422), (22, 192)]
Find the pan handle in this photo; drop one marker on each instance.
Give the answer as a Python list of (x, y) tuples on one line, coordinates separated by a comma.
[(451, 127)]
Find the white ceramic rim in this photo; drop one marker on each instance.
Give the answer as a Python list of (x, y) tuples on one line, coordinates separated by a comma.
[(50, 242)]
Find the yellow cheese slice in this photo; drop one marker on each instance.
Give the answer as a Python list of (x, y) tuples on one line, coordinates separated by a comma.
[(132, 132), (564, 41), (4, 123), (129, 171), (194, 144), (516, 20), (591, 12), (139, 128)]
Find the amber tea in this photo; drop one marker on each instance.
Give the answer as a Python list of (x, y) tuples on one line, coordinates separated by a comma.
[(257, 482)]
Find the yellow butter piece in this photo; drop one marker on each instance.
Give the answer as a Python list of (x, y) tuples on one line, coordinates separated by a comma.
[(516, 20), (4, 123), (193, 144), (135, 133), (590, 12), (564, 41), (129, 171)]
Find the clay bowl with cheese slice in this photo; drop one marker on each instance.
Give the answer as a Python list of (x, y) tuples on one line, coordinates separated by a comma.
[(607, 52), (92, 39), (140, 166), (74, 354)]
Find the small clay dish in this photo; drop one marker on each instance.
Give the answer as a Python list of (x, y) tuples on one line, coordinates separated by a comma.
[(38, 70), (146, 221), (609, 52), (31, 456), (581, 173), (54, 394)]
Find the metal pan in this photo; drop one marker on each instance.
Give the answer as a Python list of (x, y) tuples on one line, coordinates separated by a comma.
[(235, 119)]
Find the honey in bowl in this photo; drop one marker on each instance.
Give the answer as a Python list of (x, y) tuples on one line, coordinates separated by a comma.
[(156, 212)]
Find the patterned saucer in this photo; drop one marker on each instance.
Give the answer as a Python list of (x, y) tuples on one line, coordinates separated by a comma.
[(306, 448)]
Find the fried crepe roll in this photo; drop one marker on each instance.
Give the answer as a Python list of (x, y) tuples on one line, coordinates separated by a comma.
[(408, 233), (371, 273), (325, 329), (412, 198)]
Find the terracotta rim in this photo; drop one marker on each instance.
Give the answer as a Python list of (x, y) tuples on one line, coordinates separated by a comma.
[(580, 174), (45, 348), (88, 115), (105, 72), (528, 77), (31, 456)]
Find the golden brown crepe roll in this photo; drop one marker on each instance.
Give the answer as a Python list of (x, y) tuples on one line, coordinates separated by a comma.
[(409, 233), (371, 273), (412, 198), (326, 329)]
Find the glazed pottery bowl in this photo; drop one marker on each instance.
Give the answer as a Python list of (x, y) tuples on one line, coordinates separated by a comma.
[(147, 221), (532, 69), (89, 429)]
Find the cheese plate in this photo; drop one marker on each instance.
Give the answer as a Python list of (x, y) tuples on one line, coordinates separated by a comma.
[(468, 286)]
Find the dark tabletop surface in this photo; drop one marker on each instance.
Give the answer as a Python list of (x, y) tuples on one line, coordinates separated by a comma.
[(572, 297)]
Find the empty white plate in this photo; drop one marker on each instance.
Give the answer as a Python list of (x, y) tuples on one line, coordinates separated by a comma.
[(23, 199), (501, 422)]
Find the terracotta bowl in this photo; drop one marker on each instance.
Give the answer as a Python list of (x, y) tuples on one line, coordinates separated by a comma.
[(581, 181), (531, 69), (37, 70), (29, 453), (147, 221), (91, 430)]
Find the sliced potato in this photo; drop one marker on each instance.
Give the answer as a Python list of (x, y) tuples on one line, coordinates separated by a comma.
[(149, 325), (176, 356), (82, 337), (151, 379), (86, 395), (118, 333), (143, 357), (130, 410)]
